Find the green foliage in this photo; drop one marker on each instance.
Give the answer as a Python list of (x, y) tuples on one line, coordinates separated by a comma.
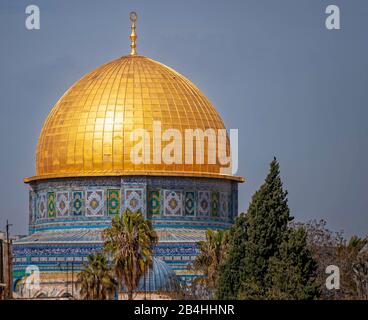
[(96, 279), (292, 271), (129, 241), (228, 283), (323, 244), (266, 258), (211, 253), (349, 256)]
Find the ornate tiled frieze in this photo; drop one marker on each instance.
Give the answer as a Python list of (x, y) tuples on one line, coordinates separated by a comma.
[(32, 207), (172, 203), (95, 203), (77, 205), (224, 204), (53, 252), (134, 199), (113, 201), (42, 205), (154, 203), (51, 209), (162, 199), (62, 204), (204, 203), (189, 203), (215, 202)]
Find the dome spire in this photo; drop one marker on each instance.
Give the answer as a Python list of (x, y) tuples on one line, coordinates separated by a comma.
[(133, 36)]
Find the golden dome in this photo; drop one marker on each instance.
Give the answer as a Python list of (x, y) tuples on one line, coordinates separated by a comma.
[(87, 133)]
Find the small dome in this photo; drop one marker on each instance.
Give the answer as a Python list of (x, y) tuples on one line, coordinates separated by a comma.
[(87, 133), (160, 278)]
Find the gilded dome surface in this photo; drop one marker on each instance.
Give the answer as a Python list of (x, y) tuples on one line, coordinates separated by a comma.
[(88, 131)]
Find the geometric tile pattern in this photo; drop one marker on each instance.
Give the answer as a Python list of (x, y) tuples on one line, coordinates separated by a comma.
[(113, 201), (189, 203), (154, 202), (204, 203), (134, 200), (95, 203), (224, 204), (77, 203), (62, 204), (42, 205), (32, 211), (172, 203), (164, 197), (159, 201), (34, 205), (215, 204), (51, 210)]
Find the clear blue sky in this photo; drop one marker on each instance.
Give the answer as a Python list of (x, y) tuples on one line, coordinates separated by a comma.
[(293, 89)]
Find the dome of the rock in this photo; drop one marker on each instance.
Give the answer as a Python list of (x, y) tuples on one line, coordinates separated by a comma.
[(85, 175), (89, 130)]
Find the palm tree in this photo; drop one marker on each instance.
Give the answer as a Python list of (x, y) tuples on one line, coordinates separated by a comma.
[(129, 241), (348, 256), (96, 279), (212, 253)]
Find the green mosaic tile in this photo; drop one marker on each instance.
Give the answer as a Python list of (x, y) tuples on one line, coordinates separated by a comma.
[(189, 203), (113, 201), (78, 203), (51, 209), (215, 204), (154, 202)]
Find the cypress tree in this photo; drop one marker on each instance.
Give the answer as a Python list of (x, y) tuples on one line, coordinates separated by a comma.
[(256, 240), (228, 283), (292, 272)]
